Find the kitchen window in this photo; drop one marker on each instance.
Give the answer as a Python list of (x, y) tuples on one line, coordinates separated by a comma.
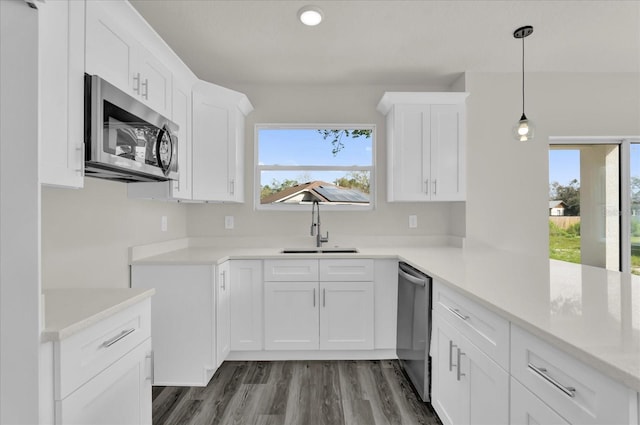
[(297, 164)]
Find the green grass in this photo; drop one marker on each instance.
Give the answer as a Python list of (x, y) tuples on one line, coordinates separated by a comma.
[(564, 248)]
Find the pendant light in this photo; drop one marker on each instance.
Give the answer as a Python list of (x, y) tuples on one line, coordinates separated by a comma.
[(523, 131)]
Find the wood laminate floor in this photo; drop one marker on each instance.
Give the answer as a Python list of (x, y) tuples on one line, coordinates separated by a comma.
[(297, 393)]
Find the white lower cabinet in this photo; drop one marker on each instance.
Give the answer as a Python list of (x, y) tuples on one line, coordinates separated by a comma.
[(184, 321), (319, 304), (468, 387), (120, 394), (291, 316), (245, 299), (102, 374), (223, 329)]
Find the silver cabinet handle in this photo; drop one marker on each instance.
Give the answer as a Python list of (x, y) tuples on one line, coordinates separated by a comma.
[(451, 345), (80, 149), (426, 186), (149, 359), (314, 297), (223, 275), (457, 313), (145, 89), (541, 371), (460, 374), (435, 186), (110, 342), (136, 82), (232, 186), (324, 297)]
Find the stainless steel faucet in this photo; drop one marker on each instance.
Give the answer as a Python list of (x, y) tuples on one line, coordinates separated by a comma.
[(315, 224)]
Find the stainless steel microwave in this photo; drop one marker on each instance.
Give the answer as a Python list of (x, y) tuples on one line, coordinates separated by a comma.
[(126, 140)]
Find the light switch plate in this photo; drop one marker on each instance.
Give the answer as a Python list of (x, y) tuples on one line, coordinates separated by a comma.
[(413, 221), (228, 222)]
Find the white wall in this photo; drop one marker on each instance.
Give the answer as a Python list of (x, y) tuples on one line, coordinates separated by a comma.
[(507, 197), (19, 215), (86, 233), (322, 104)]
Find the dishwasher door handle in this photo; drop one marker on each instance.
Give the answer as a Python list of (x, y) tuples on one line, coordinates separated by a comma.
[(410, 278)]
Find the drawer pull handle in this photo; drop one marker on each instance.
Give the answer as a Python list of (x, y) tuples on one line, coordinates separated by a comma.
[(451, 345), (459, 372), (570, 391), (110, 342), (457, 313)]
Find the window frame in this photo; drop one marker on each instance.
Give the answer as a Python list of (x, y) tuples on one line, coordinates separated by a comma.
[(257, 168)]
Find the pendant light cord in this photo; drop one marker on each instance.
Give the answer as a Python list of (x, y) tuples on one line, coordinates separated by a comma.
[(523, 76)]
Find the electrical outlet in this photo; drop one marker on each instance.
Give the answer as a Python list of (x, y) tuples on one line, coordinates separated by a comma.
[(228, 222), (164, 223), (413, 221)]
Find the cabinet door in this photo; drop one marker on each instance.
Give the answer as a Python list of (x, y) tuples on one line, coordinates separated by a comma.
[(487, 386), (183, 317), (110, 50), (346, 316), (409, 153), (211, 149), (449, 394), (245, 291), (120, 394), (447, 153), (155, 82), (223, 331), (291, 315), (181, 115), (61, 63), (527, 409)]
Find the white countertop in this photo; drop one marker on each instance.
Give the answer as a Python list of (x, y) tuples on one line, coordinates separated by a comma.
[(67, 311), (591, 313)]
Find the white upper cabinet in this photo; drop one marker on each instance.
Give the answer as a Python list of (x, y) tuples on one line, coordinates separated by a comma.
[(218, 143), (61, 83), (425, 146), (117, 56)]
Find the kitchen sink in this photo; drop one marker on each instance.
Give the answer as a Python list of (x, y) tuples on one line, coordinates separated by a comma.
[(319, 251)]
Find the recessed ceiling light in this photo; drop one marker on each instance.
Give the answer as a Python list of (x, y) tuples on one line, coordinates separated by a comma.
[(310, 15)]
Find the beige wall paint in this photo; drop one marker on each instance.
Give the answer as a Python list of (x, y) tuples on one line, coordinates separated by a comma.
[(507, 180), (86, 233), (322, 104)]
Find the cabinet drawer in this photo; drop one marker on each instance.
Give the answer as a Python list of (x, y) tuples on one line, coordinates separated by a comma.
[(576, 391), (86, 353), (291, 270), (484, 328), (346, 270), (527, 409)]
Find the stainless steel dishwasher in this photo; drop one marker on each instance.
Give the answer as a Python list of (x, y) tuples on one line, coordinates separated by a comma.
[(414, 327)]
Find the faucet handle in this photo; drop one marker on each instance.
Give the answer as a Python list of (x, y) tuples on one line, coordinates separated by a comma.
[(324, 239)]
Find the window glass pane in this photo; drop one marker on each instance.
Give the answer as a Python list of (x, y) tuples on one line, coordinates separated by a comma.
[(584, 183), (302, 187), (298, 146), (635, 208)]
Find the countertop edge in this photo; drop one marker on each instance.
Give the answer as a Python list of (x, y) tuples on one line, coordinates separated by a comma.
[(73, 328)]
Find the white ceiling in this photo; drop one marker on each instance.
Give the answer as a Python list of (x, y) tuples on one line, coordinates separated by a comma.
[(235, 42)]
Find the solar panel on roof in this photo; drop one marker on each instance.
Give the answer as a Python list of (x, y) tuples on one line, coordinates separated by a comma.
[(338, 194)]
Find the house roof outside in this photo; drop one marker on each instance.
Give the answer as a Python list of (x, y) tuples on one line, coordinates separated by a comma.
[(317, 190), (557, 204)]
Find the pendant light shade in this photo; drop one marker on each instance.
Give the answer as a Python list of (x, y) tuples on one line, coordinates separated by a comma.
[(523, 130)]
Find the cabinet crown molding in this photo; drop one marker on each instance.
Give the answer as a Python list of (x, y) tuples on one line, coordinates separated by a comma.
[(391, 98), (226, 95)]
